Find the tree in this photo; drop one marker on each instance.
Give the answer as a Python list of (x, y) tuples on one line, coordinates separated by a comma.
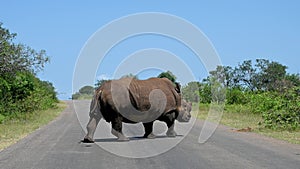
[(243, 75), (89, 90), (224, 74), (100, 82), (294, 79), (168, 74), (86, 92), (264, 75), (190, 92), (75, 96), (205, 92), (269, 75), (19, 57)]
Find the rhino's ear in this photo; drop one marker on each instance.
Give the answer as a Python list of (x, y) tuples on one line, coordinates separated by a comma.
[(177, 88)]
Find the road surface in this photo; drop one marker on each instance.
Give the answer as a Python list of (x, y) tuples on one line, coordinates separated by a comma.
[(58, 145)]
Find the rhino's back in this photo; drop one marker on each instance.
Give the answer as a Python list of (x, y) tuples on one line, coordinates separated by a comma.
[(140, 91), (127, 92)]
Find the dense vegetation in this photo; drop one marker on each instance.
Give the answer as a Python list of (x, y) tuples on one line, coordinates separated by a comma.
[(21, 92), (263, 87)]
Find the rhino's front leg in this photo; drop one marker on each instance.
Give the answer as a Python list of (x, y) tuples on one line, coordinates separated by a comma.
[(117, 129), (171, 132), (91, 128), (171, 123)]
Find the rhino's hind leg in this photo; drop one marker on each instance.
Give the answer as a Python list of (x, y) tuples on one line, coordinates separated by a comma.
[(117, 130), (120, 135), (148, 130), (91, 128)]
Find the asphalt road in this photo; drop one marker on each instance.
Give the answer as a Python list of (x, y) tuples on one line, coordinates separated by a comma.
[(58, 146)]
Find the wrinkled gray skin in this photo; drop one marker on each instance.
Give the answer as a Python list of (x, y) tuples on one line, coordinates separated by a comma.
[(180, 113)]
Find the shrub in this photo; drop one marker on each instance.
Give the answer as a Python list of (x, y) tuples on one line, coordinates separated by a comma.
[(24, 94), (279, 111), (236, 96), (281, 119), (261, 102)]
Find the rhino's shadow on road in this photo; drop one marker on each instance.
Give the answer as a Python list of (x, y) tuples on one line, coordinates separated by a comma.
[(104, 140)]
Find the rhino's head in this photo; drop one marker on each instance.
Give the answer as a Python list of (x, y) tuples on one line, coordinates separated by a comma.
[(184, 112)]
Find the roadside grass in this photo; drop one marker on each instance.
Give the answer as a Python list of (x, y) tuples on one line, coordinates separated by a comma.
[(239, 117), (13, 130)]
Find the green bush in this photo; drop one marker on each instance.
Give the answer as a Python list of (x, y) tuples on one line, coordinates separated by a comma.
[(281, 119), (23, 94), (2, 118), (261, 102), (205, 93), (279, 110), (236, 96)]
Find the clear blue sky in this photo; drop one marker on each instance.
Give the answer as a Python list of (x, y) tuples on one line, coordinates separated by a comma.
[(239, 30)]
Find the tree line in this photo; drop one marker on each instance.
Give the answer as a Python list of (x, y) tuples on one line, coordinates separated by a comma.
[(21, 91), (262, 87)]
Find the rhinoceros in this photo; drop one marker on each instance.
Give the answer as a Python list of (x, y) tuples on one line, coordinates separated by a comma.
[(132, 101)]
